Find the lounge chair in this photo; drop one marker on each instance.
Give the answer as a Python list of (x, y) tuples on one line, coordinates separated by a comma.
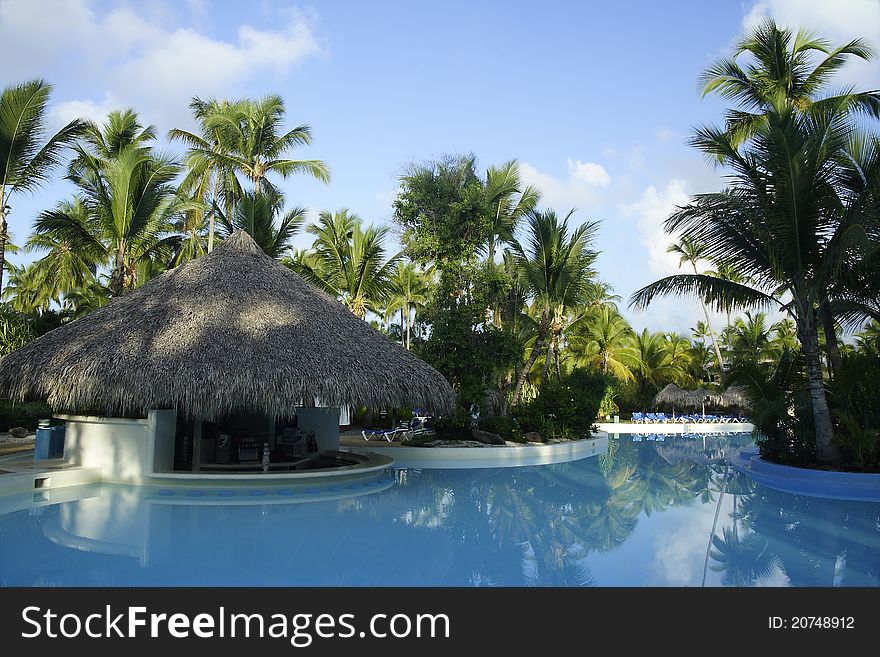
[(387, 434), (638, 417)]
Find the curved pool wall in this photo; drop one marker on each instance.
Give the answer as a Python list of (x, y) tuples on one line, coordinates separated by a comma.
[(451, 458), (676, 427), (856, 486)]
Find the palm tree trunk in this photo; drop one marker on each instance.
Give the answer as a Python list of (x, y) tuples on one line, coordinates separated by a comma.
[(826, 450), (117, 278), (709, 328), (402, 338), (548, 358), (408, 323), (4, 237), (543, 328), (831, 346), (211, 218)]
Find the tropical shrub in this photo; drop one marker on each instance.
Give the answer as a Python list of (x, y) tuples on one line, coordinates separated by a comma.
[(22, 414), (566, 406)]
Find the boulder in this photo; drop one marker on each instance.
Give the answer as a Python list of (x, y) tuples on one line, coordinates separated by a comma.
[(487, 437), (19, 432), (533, 437)]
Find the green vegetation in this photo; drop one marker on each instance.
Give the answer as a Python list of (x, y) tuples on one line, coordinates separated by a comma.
[(496, 291)]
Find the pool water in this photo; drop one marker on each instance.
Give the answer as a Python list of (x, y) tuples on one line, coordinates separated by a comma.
[(645, 513)]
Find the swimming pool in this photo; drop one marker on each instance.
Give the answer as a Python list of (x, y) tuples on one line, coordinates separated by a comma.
[(645, 513)]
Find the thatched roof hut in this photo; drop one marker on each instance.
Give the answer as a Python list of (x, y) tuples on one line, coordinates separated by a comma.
[(233, 332), (672, 395)]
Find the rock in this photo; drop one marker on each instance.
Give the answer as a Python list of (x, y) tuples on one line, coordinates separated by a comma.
[(533, 437), (487, 437), (18, 432)]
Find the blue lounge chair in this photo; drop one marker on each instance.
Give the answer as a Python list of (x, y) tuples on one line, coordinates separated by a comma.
[(638, 417)]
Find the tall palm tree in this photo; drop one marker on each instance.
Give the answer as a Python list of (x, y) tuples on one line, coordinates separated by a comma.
[(251, 132), (349, 261), (784, 69), (691, 252), (784, 73), (210, 176), (256, 214), (508, 202), (555, 265), (27, 159), (784, 221), (409, 289)]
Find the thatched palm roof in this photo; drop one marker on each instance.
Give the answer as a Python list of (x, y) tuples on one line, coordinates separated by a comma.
[(672, 394), (233, 332)]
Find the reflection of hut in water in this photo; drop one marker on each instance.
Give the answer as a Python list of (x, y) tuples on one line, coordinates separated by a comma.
[(208, 362), (703, 450)]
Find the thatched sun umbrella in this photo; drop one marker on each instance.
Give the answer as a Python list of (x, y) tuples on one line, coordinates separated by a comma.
[(233, 332), (672, 395)]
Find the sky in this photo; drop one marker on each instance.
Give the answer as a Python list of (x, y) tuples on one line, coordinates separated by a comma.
[(595, 100)]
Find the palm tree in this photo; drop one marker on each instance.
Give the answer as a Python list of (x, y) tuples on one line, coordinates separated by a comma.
[(690, 251), (409, 290), (784, 70), (66, 267), (26, 159), (256, 214), (508, 202), (210, 176), (125, 208), (727, 272), (659, 359), (555, 266), (784, 74), (253, 145), (784, 221), (122, 130), (349, 261), (751, 338), (603, 339)]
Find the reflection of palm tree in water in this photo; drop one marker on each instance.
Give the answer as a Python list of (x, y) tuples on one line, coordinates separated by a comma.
[(742, 560)]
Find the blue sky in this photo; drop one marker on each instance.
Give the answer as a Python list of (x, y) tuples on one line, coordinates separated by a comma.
[(594, 99)]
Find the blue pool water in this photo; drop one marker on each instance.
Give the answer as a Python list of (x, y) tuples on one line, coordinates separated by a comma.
[(645, 513)]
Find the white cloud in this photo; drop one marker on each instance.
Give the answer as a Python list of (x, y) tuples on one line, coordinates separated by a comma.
[(588, 172), (840, 21), (61, 114), (650, 211), (580, 188), (142, 60)]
